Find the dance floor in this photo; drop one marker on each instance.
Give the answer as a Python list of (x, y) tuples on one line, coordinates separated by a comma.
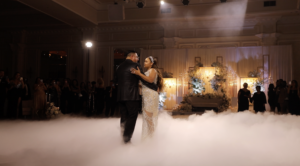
[(226, 139)]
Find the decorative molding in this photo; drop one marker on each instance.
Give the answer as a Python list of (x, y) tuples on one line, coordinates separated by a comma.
[(130, 36), (170, 42), (115, 28), (186, 46), (55, 31), (268, 39), (156, 46), (250, 43), (217, 45)]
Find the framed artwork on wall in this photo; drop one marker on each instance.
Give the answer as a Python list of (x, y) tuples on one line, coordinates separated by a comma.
[(197, 60), (219, 59)]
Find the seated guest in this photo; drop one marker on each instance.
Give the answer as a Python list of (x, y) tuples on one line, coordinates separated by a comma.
[(294, 102), (39, 99), (259, 99), (243, 98), (272, 97)]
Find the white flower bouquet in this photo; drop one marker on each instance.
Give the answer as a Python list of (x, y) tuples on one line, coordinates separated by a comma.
[(52, 111)]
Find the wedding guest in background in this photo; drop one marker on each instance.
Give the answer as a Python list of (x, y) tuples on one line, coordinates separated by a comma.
[(92, 98), (259, 99), (88, 86), (272, 97), (16, 87), (65, 97), (75, 90), (100, 97), (39, 99), (58, 84), (277, 90), (282, 95), (26, 94), (83, 96), (294, 102), (53, 91), (243, 98), (111, 99), (3, 90)]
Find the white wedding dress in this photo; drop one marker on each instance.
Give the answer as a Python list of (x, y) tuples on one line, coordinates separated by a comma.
[(150, 100)]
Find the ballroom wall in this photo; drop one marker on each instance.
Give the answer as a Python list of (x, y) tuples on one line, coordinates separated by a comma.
[(20, 49)]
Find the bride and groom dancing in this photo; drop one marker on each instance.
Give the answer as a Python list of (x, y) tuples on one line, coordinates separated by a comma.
[(131, 79)]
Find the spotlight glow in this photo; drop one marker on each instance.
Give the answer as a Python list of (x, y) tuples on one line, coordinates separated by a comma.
[(89, 44), (162, 2)]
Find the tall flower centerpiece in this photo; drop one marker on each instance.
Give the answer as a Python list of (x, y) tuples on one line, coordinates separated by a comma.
[(219, 80), (195, 81)]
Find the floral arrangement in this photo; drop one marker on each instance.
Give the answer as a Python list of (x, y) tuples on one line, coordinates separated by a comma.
[(197, 85), (167, 74), (186, 107), (195, 82), (254, 73), (220, 76), (259, 82), (217, 82), (52, 111), (162, 99)]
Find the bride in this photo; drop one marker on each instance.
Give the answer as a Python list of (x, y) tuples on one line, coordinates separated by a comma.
[(150, 97)]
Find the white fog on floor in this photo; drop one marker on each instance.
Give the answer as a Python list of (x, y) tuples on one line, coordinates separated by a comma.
[(225, 139)]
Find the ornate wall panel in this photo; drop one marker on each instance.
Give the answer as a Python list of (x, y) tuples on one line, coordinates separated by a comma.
[(130, 36)]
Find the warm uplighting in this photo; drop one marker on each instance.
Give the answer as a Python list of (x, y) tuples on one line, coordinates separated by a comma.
[(250, 81), (170, 82), (162, 2), (89, 44), (170, 89)]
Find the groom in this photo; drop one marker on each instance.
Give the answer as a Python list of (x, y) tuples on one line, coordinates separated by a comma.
[(128, 93)]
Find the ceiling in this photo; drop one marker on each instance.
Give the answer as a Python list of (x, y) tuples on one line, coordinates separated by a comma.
[(87, 13), (14, 15)]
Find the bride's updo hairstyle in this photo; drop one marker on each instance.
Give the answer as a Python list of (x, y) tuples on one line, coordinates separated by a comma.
[(160, 81)]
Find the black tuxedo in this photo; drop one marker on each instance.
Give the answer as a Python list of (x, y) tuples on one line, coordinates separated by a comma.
[(129, 83), (128, 95)]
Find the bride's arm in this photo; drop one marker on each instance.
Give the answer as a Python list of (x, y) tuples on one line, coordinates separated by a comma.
[(149, 79)]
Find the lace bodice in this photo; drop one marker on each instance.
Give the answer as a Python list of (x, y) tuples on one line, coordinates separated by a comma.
[(150, 108), (147, 73)]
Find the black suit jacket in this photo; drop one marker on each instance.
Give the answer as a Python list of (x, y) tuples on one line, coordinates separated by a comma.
[(128, 84)]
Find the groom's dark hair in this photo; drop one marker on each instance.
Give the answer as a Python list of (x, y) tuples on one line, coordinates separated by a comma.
[(130, 52)]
